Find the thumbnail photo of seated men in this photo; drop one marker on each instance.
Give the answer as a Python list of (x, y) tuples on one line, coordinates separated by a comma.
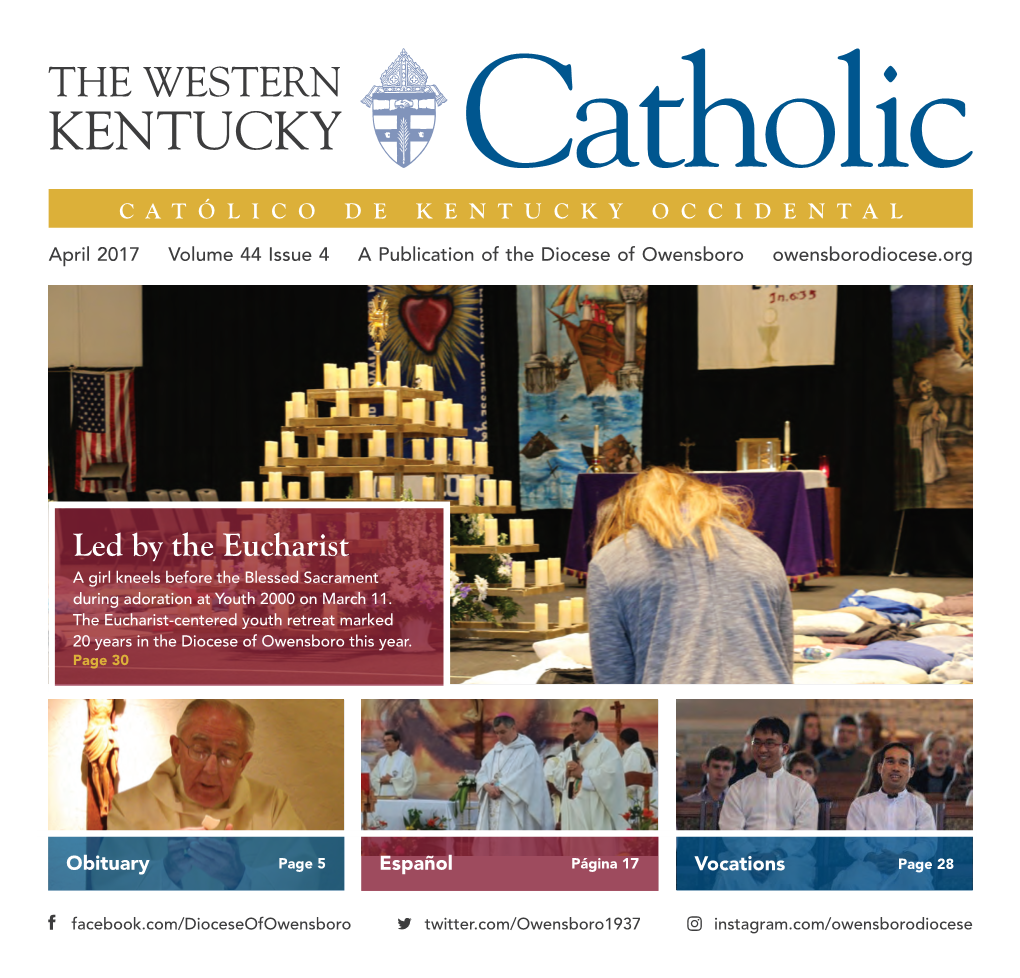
[(895, 765), (207, 764)]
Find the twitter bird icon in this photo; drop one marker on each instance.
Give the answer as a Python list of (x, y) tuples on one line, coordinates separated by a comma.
[(404, 924)]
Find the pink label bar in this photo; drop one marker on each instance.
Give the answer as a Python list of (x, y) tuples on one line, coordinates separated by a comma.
[(408, 863)]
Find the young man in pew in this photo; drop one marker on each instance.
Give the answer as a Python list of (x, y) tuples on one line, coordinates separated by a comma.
[(844, 756), (718, 769), (804, 765)]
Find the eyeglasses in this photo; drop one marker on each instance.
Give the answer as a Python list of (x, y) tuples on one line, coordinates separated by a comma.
[(202, 755), (767, 744)]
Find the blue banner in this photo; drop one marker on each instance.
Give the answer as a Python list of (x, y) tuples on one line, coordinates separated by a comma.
[(830, 862), (201, 861)]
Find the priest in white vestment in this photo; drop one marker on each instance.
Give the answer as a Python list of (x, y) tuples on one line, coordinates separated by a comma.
[(202, 784), (634, 760), (772, 800), (591, 779), (394, 776), (512, 790), (893, 808)]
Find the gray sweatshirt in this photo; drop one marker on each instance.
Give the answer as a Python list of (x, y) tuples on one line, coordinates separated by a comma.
[(674, 616)]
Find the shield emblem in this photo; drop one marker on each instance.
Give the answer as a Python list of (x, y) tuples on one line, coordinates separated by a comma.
[(404, 109)]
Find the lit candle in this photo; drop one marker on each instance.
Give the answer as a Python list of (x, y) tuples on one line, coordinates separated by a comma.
[(541, 573), (440, 415), (505, 492), (293, 565), (565, 617), (276, 485), (456, 415), (786, 437), (288, 411), (293, 490), (332, 444), (555, 570), (329, 376), (392, 373), (378, 444), (366, 485), (272, 452), (467, 490), (482, 453), (288, 443), (541, 617), (439, 455), (489, 492), (491, 533), (247, 492), (418, 449), (353, 521), (390, 404), (528, 526), (343, 404), (386, 487), (343, 377), (304, 526), (317, 485), (428, 487), (517, 574), (418, 410), (577, 610), (297, 399), (595, 449)]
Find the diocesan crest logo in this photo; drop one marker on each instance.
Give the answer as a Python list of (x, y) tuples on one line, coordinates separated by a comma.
[(404, 109)]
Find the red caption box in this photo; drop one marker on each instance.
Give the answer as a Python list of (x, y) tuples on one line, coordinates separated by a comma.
[(252, 596), (426, 862)]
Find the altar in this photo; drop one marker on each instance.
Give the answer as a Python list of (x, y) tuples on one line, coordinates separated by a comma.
[(392, 811), (790, 512)]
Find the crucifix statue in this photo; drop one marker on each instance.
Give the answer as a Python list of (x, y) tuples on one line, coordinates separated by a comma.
[(687, 445), (618, 709), (101, 753)]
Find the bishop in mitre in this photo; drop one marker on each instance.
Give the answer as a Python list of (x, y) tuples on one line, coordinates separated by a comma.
[(511, 783), (591, 779), (394, 776)]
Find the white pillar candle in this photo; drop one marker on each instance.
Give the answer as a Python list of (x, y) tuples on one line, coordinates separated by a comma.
[(482, 453), (555, 570), (386, 487), (297, 399), (288, 444), (517, 574), (332, 444), (364, 410), (467, 490), (378, 444), (456, 415), (430, 376), (304, 526), (786, 437), (418, 410), (343, 377), (392, 373), (418, 449), (565, 616), (293, 566), (276, 485), (541, 617), (247, 530), (247, 492), (353, 521), (428, 487), (505, 492), (467, 452), (390, 408), (439, 455), (528, 528), (317, 485), (288, 412), (272, 452), (261, 523), (419, 375), (577, 610), (541, 573), (342, 565), (595, 448), (489, 492), (515, 533), (208, 568), (265, 491), (293, 490), (343, 404), (222, 529), (491, 533), (360, 375), (440, 414), (320, 451), (366, 485), (332, 412), (329, 376)]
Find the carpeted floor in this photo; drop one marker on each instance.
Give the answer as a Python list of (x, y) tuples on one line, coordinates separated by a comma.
[(469, 659)]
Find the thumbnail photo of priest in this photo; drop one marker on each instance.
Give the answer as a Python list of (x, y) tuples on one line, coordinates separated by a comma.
[(592, 785), (512, 789)]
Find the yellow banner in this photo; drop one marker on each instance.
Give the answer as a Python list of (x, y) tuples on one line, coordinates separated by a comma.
[(495, 209)]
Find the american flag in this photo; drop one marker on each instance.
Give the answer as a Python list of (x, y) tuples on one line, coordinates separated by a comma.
[(104, 417)]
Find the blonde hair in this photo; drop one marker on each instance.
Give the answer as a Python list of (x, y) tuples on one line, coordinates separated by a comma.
[(673, 509)]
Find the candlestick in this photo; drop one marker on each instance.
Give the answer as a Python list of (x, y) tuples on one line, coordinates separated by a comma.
[(386, 487), (392, 373), (541, 573), (517, 574), (466, 486), (294, 490), (366, 484), (489, 492), (428, 487), (541, 617), (329, 376), (786, 437), (506, 492), (577, 610), (317, 485), (343, 404), (439, 456), (418, 449), (390, 403), (555, 570), (247, 492), (272, 452), (343, 377), (332, 444), (491, 533)]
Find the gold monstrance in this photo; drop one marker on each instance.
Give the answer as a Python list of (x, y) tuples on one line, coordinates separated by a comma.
[(377, 317)]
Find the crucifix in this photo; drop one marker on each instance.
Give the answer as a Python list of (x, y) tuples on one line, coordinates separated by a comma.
[(687, 445), (618, 709)]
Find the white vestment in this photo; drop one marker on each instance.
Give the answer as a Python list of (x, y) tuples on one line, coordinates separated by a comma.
[(600, 800), (635, 759), (516, 769), (779, 803), (401, 768)]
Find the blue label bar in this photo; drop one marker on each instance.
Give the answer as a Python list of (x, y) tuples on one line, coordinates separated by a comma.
[(830, 862), (202, 861)]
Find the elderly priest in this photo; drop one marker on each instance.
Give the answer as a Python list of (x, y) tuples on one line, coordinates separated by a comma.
[(511, 783), (591, 779), (394, 776), (202, 784)]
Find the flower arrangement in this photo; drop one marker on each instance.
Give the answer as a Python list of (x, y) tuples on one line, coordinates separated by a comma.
[(413, 822), (641, 819), (411, 557), (472, 602), (465, 786)]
